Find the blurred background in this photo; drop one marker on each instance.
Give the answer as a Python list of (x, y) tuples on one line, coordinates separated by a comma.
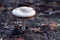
[(47, 11)]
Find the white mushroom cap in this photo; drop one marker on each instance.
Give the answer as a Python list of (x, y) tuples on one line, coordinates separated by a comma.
[(24, 12)]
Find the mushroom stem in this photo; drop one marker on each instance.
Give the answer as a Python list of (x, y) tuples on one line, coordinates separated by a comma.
[(24, 24)]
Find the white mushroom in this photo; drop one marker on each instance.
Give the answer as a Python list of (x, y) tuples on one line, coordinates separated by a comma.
[(24, 12)]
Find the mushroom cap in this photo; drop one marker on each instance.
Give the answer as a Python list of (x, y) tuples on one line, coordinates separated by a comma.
[(24, 12)]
